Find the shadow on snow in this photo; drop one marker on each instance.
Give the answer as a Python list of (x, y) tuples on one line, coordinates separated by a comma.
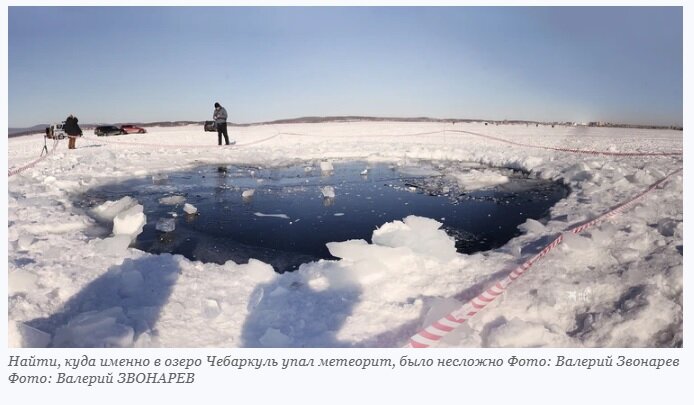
[(115, 309)]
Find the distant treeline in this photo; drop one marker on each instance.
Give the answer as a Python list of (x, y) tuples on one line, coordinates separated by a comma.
[(613, 125), (354, 118)]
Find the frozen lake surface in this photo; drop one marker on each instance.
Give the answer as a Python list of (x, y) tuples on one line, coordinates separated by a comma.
[(286, 215), (74, 282)]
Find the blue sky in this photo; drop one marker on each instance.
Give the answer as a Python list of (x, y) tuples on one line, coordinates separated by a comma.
[(143, 64)]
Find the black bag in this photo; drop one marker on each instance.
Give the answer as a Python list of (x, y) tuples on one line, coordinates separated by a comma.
[(210, 126)]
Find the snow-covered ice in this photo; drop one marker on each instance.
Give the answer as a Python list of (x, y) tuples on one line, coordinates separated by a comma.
[(112, 246), (618, 284)]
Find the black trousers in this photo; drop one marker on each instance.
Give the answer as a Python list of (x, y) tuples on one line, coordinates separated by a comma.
[(222, 130)]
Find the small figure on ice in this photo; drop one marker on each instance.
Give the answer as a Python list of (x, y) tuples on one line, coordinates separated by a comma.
[(220, 118), (73, 130)]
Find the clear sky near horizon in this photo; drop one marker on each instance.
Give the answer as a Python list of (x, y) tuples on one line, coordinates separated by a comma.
[(145, 64)]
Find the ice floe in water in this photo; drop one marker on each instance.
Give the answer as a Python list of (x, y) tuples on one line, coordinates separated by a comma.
[(260, 214)]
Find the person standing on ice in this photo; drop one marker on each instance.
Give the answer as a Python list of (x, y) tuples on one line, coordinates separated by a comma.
[(220, 118), (72, 130)]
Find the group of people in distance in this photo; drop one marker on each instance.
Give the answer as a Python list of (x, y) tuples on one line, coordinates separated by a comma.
[(73, 130)]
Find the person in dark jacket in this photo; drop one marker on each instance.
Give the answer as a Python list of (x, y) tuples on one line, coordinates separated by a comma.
[(220, 118), (73, 130)]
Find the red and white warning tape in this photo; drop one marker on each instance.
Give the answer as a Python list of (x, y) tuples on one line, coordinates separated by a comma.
[(258, 141), (582, 151), (363, 135), (433, 333), (18, 170), (31, 164), (588, 152), (606, 153), (161, 145)]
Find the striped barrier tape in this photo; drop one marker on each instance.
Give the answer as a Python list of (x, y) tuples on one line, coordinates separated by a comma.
[(105, 141), (365, 135), (33, 163), (433, 333), (259, 141), (606, 153), (583, 151), (157, 145), (153, 145), (13, 172)]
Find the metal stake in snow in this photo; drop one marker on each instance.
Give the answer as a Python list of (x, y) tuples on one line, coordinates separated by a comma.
[(33, 163), (434, 332)]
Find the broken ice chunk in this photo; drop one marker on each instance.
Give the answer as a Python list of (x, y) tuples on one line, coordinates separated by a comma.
[(159, 177), (172, 200), (21, 281), (130, 222), (260, 214), (166, 224), (210, 308), (326, 166), (189, 209), (275, 338), (107, 328), (21, 335), (25, 241), (108, 210), (255, 299), (328, 192)]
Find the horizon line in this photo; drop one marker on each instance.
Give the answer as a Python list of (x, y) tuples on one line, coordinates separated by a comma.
[(327, 118)]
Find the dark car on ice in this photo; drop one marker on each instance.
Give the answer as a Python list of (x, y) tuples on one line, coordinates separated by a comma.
[(210, 126), (107, 130)]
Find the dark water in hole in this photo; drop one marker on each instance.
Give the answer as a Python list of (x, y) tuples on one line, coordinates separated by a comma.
[(288, 221)]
